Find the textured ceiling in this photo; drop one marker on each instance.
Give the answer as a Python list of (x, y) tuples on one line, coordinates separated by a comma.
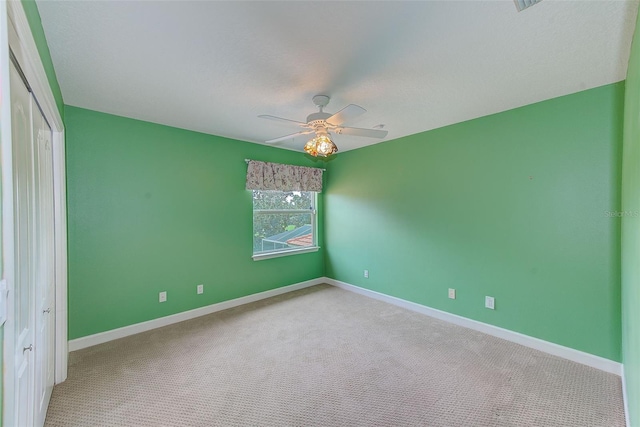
[(214, 66)]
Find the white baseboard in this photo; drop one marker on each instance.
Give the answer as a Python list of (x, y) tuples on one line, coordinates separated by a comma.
[(125, 331), (528, 341), (535, 343)]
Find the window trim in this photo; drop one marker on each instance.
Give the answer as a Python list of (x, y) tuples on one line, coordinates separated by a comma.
[(293, 251), (288, 252)]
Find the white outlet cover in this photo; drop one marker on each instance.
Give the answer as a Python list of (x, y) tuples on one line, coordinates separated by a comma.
[(490, 302), (452, 293), (366, 274), (200, 289), (162, 297)]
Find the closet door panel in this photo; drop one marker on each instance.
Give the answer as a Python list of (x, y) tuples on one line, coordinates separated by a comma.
[(44, 264), (24, 286)]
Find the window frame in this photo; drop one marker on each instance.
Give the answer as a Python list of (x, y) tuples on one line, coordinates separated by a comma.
[(290, 251)]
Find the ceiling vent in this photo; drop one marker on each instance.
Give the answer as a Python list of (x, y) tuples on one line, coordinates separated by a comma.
[(523, 4)]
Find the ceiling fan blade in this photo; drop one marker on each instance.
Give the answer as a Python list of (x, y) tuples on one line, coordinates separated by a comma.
[(349, 112), (371, 133), (291, 136), (280, 119)]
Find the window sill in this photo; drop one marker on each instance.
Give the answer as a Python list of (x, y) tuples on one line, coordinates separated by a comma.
[(260, 257)]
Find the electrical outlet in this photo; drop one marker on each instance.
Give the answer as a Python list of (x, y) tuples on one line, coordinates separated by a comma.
[(162, 296), (366, 274), (490, 302), (452, 293), (200, 289)]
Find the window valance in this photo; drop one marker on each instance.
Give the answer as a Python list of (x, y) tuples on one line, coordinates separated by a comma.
[(276, 176)]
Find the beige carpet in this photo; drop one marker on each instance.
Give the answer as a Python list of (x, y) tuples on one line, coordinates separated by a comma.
[(323, 356)]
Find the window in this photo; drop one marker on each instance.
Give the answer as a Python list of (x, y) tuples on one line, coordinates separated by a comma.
[(284, 222), (284, 208)]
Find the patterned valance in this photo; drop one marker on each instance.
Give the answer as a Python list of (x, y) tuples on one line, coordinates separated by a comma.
[(275, 176)]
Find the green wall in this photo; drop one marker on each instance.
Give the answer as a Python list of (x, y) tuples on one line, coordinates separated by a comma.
[(153, 208), (631, 235), (512, 205)]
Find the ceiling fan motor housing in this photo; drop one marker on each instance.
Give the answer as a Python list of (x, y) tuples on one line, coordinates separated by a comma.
[(317, 119)]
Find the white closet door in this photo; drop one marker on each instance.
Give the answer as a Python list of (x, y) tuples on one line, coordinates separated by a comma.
[(44, 264), (21, 105), (34, 255)]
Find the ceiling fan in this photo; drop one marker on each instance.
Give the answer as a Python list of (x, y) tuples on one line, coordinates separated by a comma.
[(321, 124)]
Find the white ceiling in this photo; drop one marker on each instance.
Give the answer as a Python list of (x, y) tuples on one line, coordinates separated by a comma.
[(213, 66)]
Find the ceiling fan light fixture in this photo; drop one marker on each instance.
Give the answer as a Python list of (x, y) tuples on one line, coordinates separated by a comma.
[(321, 146)]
